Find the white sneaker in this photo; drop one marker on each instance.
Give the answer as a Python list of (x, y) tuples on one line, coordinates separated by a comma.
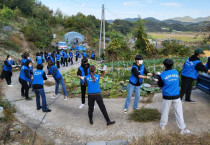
[(10, 85), (81, 106), (55, 96), (162, 127), (65, 97), (185, 131), (125, 110)]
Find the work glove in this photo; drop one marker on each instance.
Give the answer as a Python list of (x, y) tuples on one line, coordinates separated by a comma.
[(156, 80), (83, 78), (158, 73)]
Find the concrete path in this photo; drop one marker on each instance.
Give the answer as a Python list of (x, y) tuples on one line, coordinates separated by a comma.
[(67, 124)]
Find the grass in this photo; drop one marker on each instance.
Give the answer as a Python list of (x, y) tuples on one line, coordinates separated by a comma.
[(145, 115), (186, 37), (173, 139), (9, 110), (11, 44)]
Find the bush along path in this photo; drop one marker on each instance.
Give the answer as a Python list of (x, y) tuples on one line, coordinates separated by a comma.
[(67, 124)]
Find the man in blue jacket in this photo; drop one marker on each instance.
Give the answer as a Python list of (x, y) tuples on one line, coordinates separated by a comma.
[(136, 79), (190, 73), (169, 80), (7, 70)]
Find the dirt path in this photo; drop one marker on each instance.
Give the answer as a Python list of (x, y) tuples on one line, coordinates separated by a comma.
[(68, 124)]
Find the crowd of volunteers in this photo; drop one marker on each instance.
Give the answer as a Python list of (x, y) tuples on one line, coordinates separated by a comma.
[(89, 81)]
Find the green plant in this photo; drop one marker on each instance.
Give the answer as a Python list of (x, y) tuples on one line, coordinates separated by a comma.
[(11, 44), (145, 115), (9, 110)]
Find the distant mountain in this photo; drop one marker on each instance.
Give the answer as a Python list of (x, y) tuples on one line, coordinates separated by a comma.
[(190, 19)]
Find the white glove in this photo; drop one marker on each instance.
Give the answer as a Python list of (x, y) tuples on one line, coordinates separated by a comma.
[(148, 77), (83, 78), (156, 80), (158, 73)]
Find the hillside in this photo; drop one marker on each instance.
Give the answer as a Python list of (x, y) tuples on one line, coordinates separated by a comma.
[(190, 19)]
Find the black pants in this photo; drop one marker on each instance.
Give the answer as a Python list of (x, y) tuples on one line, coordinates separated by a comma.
[(61, 60), (71, 60), (8, 79), (76, 58), (58, 64), (24, 88), (186, 87), (91, 101), (83, 92), (65, 62)]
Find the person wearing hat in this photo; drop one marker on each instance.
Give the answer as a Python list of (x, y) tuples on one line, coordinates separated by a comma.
[(169, 81), (38, 85), (190, 73), (136, 79)]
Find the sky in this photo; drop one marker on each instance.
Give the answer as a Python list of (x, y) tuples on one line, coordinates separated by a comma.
[(120, 9)]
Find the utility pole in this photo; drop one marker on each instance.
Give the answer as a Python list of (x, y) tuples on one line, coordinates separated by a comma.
[(102, 27)]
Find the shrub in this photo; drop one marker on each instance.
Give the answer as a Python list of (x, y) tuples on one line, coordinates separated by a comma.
[(9, 110), (11, 44), (7, 13), (145, 115)]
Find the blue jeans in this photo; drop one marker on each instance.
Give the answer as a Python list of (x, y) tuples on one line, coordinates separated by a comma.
[(57, 86), (131, 88), (40, 92)]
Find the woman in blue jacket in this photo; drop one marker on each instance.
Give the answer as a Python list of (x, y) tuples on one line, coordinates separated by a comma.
[(55, 73), (94, 94), (7, 70), (24, 78)]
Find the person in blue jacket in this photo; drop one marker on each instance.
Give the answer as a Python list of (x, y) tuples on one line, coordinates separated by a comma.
[(84, 54), (38, 86), (24, 59), (136, 79), (65, 57), (190, 73), (61, 53), (31, 69), (169, 81), (39, 59), (7, 70), (83, 70), (208, 63), (94, 94), (71, 55), (55, 73), (58, 59), (93, 55), (24, 78)]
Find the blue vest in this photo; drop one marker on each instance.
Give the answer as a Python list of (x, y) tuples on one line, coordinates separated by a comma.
[(39, 59), (71, 54), (61, 53), (84, 54), (189, 69), (207, 66), (134, 79), (22, 74), (52, 59), (58, 74), (83, 73), (58, 57), (92, 55), (6, 68), (23, 61), (65, 55), (93, 87), (38, 77), (171, 83)]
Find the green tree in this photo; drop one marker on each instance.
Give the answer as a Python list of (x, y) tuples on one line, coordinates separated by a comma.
[(142, 44)]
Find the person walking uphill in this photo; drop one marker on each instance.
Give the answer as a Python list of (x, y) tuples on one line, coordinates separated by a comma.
[(135, 81), (94, 94), (190, 73), (24, 78), (38, 85), (7, 70), (55, 73), (169, 80), (83, 70)]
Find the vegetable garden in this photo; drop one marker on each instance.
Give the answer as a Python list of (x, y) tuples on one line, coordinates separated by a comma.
[(114, 83)]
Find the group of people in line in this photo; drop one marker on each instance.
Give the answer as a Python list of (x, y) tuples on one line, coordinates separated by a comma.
[(167, 80)]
